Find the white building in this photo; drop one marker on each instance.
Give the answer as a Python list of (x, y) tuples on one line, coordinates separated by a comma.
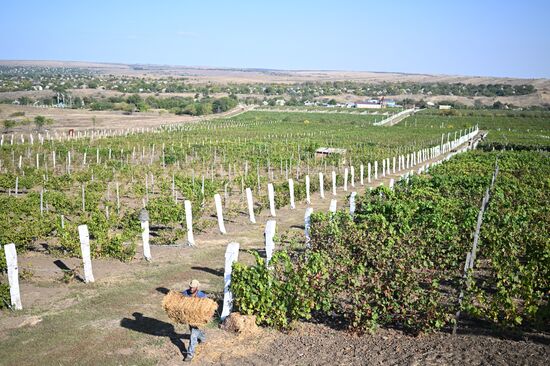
[(368, 105)]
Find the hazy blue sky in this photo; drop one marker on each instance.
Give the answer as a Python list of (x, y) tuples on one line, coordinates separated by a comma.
[(482, 37)]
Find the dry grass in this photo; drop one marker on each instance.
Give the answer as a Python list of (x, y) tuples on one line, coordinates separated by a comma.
[(188, 310)]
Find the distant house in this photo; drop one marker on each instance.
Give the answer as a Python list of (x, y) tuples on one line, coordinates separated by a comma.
[(326, 151), (444, 106), (280, 102), (368, 105)]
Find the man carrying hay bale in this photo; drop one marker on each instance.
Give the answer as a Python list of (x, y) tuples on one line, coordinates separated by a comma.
[(190, 307), (197, 335)]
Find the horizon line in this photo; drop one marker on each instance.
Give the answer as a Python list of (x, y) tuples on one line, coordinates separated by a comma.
[(237, 68)]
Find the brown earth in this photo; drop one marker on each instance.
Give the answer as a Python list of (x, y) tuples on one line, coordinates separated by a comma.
[(80, 119)]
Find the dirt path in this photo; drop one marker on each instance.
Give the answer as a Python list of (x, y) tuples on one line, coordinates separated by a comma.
[(118, 319), (396, 118)]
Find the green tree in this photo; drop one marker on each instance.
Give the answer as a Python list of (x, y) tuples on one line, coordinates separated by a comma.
[(25, 100), (8, 124), (41, 121)]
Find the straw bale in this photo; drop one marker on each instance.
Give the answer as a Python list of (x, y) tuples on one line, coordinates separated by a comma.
[(194, 311), (238, 323)]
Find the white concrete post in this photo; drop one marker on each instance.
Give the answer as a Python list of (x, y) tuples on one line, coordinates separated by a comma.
[(307, 223), (85, 248), (189, 222), (392, 183), (219, 212), (333, 183), (118, 198), (394, 165), (332, 207), (13, 275), (250, 203), (271, 196), (362, 173), (83, 198), (352, 203), (383, 167), (291, 193), (231, 255), (376, 170), (352, 176), (321, 185), (369, 172), (145, 238), (346, 176), (269, 234), (308, 197)]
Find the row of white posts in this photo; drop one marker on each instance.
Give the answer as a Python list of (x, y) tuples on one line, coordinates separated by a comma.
[(96, 133), (232, 251), (13, 139), (423, 154)]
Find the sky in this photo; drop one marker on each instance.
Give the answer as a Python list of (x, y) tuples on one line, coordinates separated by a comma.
[(479, 38)]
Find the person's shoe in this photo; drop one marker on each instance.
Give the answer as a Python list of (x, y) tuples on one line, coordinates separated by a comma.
[(189, 357)]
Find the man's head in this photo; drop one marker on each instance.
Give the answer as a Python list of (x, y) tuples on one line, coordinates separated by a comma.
[(194, 286)]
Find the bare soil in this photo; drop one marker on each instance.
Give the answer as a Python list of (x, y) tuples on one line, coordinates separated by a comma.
[(82, 119), (314, 344)]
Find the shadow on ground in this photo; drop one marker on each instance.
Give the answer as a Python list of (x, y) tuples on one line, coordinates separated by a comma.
[(215, 272), (68, 271), (155, 327)]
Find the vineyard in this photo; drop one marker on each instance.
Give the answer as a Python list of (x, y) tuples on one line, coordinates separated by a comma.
[(524, 130), (400, 259), (105, 182), (397, 260)]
